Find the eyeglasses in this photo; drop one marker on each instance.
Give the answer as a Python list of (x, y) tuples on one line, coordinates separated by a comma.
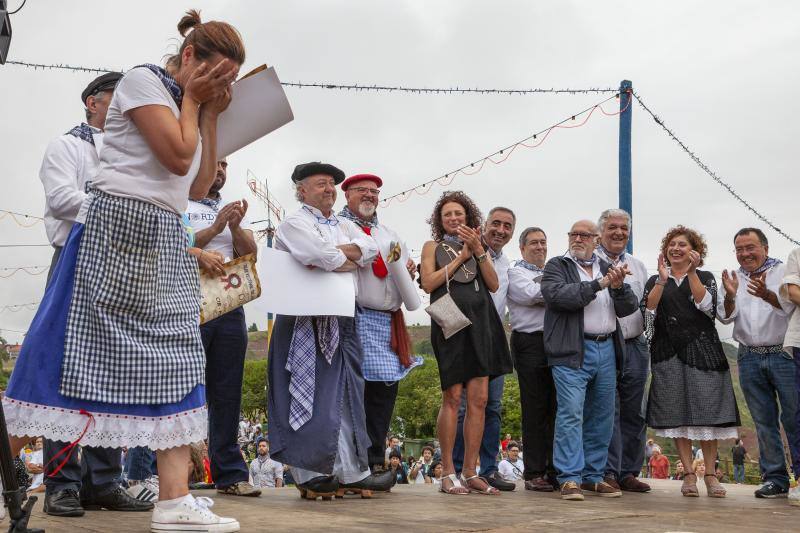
[(579, 235), (365, 190), (333, 221)]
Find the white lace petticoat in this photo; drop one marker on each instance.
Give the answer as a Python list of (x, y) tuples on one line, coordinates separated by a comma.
[(698, 433), (106, 430)]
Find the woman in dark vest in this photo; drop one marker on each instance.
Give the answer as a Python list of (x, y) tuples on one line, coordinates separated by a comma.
[(691, 395), (477, 353)]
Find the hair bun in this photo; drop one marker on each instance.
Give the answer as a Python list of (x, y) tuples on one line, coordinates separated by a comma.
[(189, 21)]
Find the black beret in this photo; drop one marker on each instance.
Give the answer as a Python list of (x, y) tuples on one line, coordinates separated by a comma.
[(305, 170), (106, 82)]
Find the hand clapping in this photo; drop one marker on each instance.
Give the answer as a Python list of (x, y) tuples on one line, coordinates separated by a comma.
[(757, 286), (730, 282), (471, 238), (615, 276)]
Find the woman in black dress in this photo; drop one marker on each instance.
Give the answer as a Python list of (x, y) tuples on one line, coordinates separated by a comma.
[(691, 394), (471, 357)]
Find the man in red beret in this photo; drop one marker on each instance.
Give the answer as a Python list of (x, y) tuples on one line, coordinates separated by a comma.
[(379, 317)]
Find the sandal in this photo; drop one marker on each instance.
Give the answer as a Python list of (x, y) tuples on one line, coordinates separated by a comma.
[(715, 490), (689, 488), (455, 488), (471, 486)]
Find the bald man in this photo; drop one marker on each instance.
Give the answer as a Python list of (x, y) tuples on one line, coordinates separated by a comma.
[(584, 295)]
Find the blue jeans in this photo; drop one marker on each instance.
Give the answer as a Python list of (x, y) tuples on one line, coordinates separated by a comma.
[(738, 473), (225, 341), (585, 414), (794, 444), (626, 451), (490, 444), (140, 463), (764, 377)]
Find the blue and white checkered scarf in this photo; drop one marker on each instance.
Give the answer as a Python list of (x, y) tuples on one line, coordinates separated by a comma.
[(349, 215), (210, 202), (302, 361), (169, 82), (83, 131), (620, 258), (769, 263), (529, 266), (585, 262), (453, 238)]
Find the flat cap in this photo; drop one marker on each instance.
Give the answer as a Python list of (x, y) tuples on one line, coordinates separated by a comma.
[(106, 82), (361, 177)]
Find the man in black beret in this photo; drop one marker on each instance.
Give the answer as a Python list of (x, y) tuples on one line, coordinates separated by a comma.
[(69, 161), (316, 386)]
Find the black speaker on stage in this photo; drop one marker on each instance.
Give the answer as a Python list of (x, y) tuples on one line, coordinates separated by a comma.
[(5, 31)]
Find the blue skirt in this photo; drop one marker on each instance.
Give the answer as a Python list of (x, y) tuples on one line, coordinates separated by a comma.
[(34, 407)]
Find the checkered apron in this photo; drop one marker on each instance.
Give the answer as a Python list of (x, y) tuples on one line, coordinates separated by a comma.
[(380, 362), (133, 333)]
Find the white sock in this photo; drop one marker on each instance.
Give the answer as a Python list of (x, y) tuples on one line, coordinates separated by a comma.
[(168, 505)]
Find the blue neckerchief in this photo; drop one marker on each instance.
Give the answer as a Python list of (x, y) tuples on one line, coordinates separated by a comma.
[(349, 215), (769, 263), (332, 221), (585, 262), (83, 132), (619, 259), (529, 266), (453, 238), (169, 82), (210, 202)]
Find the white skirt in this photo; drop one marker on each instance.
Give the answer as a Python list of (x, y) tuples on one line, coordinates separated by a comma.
[(699, 433)]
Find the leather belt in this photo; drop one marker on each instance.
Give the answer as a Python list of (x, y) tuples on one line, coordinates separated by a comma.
[(777, 348), (597, 338)]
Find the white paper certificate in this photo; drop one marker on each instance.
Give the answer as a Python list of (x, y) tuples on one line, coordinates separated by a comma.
[(258, 106), (289, 288)]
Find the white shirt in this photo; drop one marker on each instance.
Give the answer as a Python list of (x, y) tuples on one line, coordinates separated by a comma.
[(632, 325), (37, 459), (501, 266), (374, 292), (128, 167), (525, 301), (511, 471), (203, 217), (312, 242), (791, 276), (599, 317), (756, 322), (69, 162)]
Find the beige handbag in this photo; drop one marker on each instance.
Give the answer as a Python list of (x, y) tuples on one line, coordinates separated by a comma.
[(446, 313), (221, 294)]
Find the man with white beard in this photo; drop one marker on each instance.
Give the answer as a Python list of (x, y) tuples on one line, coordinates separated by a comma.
[(379, 318)]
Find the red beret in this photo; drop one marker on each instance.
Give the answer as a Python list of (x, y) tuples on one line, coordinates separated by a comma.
[(360, 177)]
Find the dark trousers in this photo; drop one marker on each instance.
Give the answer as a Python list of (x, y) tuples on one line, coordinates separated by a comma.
[(97, 473), (140, 463), (537, 395), (99, 470), (379, 400), (626, 451), (225, 342)]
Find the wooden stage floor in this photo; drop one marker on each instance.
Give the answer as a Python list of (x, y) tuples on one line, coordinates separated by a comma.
[(422, 508)]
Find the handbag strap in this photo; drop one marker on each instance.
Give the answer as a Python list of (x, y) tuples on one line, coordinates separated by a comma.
[(446, 279)]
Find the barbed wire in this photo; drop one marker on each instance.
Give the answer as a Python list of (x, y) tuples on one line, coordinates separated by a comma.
[(4, 213), (658, 120), (361, 86), (35, 270), (506, 152), (15, 308)]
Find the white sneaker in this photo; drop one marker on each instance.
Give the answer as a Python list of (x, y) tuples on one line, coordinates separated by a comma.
[(191, 514), (146, 490), (794, 496)]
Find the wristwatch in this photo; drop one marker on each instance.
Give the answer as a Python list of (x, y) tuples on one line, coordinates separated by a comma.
[(481, 258)]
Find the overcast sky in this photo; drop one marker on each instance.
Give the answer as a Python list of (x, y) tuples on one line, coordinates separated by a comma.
[(723, 74)]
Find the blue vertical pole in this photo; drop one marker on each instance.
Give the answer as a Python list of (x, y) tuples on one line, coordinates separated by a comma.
[(625, 186)]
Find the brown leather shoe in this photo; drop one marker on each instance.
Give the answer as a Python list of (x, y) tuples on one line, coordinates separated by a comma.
[(632, 484), (601, 489), (571, 491), (611, 480), (539, 484)]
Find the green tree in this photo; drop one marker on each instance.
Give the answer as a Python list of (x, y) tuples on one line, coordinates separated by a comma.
[(511, 408), (253, 327), (418, 402), (4, 355), (254, 389)]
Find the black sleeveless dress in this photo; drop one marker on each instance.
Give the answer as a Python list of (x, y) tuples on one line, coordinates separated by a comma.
[(480, 349)]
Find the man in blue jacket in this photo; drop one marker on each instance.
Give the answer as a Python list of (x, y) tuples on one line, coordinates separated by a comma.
[(584, 296)]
